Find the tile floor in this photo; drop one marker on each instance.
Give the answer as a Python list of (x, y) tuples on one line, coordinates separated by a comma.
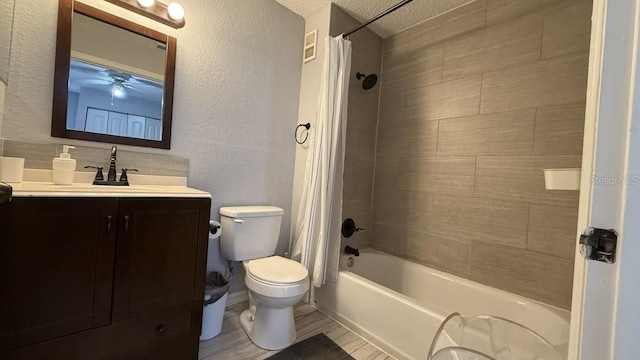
[(233, 343)]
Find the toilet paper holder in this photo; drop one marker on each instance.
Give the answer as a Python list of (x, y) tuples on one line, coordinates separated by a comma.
[(214, 227)]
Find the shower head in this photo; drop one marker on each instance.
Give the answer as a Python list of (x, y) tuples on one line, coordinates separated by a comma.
[(369, 80)]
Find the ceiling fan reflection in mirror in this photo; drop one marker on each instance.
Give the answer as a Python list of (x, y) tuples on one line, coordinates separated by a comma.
[(120, 84)]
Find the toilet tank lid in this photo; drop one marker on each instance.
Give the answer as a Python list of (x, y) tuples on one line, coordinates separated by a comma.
[(250, 211)]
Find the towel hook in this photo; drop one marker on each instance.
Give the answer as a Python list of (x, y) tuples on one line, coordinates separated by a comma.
[(306, 126)]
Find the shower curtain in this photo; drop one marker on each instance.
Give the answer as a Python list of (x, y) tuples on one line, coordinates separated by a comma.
[(316, 242)]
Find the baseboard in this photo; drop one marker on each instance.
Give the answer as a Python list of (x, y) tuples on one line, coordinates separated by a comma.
[(237, 298)]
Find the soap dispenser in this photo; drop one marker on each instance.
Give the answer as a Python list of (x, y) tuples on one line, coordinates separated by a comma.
[(64, 167)]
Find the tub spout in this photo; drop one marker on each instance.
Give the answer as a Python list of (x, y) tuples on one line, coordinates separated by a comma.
[(352, 251)]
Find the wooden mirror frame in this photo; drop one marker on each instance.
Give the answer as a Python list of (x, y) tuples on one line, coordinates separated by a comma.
[(66, 8)]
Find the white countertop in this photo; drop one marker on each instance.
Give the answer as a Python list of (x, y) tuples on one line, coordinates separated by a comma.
[(38, 183)]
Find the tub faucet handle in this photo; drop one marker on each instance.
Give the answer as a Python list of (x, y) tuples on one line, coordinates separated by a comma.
[(349, 227), (351, 251)]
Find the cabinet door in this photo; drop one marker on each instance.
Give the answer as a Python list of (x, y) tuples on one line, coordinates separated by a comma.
[(56, 267), (160, 255)]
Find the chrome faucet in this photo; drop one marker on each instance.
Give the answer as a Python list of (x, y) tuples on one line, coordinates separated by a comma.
[(112, 165)]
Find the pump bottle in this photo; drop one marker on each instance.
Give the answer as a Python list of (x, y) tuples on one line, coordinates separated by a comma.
[(64, 167)]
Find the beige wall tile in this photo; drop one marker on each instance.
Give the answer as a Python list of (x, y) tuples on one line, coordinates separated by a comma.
[(468, 219), (361, 124), (39, 156), (390, 238), (36, 156), (567, 30), (506, 133), (396, 48), (444, 175), (545, 278), (421, 67), (453, 92), (520, 178), (512, 43), (445, 100), (407, 208), (559, 130), (445, 254), (557, 81), (361, 137), (420, 138), (460, 21), (553, 230), (503, 10)]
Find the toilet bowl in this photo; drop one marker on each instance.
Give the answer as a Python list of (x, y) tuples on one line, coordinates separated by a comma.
[(275, 284)]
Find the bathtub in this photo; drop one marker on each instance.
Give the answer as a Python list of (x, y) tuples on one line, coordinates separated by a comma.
[(398, 305)]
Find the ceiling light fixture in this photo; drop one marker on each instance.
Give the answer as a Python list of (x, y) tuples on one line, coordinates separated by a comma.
[(176, 11), (172, 15), (146, 3), (118, 91)]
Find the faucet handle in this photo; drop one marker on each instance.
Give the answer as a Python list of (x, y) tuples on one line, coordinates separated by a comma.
[(99, 176), (123, 177)]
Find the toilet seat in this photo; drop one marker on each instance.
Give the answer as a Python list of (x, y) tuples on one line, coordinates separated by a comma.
[(276, 276)]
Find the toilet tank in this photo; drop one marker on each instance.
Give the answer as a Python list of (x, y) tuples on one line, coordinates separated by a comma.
[(249, 232)]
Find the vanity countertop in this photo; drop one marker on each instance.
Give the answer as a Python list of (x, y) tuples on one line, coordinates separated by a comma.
[(47, 189), (40, 183)]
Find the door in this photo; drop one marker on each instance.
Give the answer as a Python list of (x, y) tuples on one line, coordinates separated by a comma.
[(160, 256), (136, 126), (56, 267), (153, 129), (605, 315), (96, 121), (117, 123)]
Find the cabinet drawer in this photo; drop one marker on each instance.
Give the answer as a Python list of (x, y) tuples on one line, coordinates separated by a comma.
[(114, 339)]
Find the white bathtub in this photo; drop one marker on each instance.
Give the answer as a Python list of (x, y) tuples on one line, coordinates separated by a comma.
[(398, 305)]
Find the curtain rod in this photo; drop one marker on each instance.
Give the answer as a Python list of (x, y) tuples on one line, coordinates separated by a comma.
[(382, 14)]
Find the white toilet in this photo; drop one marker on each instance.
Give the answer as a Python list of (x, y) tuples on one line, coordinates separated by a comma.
[(250, 234)]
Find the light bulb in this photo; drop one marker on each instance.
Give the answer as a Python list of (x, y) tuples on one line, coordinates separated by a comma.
[(118, 91), (146, 3), (176, 11)]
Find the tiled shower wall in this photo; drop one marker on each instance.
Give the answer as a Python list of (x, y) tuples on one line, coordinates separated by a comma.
[(474, 104), (362, 116)]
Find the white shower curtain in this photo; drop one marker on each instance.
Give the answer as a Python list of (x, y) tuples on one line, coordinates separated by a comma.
[(316, 242)]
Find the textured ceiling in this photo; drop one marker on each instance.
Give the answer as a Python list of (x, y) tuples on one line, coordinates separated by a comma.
[(411, 14)]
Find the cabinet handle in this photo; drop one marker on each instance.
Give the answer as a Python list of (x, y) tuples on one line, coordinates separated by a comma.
[(160, 329), (126, 224), (109, 218)]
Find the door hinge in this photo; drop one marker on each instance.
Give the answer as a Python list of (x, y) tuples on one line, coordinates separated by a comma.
[(599, 244)]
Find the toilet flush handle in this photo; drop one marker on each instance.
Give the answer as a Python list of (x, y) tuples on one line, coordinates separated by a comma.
[(239, 221)]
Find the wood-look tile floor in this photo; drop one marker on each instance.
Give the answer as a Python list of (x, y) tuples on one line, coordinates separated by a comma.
[(233, 343)]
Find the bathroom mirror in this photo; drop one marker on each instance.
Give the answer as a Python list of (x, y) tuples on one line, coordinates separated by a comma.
[(113, 79)]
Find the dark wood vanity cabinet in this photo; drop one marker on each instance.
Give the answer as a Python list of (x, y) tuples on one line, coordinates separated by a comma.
[(102, 278)]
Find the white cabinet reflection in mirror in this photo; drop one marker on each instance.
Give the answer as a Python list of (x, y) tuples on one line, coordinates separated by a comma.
[(121, 124)]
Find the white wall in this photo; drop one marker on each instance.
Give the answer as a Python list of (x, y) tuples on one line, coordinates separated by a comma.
[(236, 94), (309, 92), (6, 17)]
